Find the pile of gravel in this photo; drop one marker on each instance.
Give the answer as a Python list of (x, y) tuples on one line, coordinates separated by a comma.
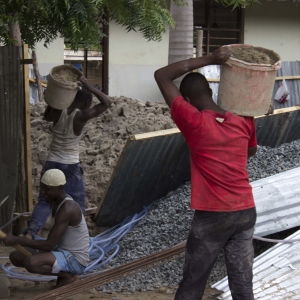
[(168, 221)]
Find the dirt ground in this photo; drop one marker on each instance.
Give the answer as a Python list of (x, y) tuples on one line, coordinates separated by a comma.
[(20, 289)]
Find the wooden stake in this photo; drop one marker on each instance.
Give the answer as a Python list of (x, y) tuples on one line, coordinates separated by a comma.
[(18, 247), (27, 131), (199, 43), (37, 76)]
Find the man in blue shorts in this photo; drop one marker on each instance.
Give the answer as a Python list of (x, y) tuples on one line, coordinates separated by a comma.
[(64, 148), (65, 251)]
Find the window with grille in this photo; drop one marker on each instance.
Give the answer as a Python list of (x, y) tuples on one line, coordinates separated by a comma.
[(219, 25)]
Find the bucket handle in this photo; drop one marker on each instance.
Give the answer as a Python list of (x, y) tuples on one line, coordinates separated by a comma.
[(228, 63)]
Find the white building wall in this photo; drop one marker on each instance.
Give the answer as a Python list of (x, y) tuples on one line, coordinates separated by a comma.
[(49, 57), (132, 63), (274, 25)]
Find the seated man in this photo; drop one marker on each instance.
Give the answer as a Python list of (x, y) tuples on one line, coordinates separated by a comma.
[(65, 251)]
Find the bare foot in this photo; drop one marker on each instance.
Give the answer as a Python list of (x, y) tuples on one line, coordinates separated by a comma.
[(70, 278)]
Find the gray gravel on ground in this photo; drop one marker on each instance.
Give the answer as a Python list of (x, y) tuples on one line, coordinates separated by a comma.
[(168, 221)]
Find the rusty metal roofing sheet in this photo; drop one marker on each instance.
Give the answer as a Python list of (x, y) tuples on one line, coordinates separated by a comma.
[(150, 166), (10, 97)]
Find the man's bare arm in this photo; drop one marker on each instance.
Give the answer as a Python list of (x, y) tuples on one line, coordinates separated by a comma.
[(98, 109), (62, 221), (48, 114), (252, 151), (165, 76)]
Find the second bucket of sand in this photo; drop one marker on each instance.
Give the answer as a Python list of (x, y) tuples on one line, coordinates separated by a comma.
[(247, 80), (62, 86)]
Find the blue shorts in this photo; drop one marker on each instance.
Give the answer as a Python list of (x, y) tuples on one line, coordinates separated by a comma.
[(66, 262)]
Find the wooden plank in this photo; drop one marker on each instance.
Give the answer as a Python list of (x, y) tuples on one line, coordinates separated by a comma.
[(26, 61), (43, 82), (288, 77), (280, 111), (213, 79), (27, 130), (148, 135)]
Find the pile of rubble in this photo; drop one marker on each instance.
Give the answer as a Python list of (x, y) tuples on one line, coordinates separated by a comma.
[(102, 141)]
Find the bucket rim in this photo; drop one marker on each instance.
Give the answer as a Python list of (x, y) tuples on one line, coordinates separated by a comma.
[(67, 83), (266, 67), (275, 66)]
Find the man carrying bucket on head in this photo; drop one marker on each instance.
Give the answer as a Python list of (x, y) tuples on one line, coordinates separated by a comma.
[(220, 143), (64, 148), (65, 251)]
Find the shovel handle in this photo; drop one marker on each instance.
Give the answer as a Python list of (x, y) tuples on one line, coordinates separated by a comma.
[(17, 246)]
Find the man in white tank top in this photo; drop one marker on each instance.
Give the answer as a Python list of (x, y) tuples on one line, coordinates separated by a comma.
[(65, 251), (64, 149)]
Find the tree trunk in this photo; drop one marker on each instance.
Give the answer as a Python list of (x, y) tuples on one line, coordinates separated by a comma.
[(15, 33), (181, 37)]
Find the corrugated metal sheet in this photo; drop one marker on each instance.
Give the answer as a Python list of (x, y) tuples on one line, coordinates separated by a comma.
[(288, 68), (278, 129), (276, 273), (277, 202), (150, 166), (10, 97)]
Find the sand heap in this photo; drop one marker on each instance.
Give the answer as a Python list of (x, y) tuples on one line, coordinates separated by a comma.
[(251, 55), (102, 141), (65, 75)]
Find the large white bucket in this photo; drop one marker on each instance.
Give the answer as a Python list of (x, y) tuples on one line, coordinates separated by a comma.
[(60, 95), (246, 88)]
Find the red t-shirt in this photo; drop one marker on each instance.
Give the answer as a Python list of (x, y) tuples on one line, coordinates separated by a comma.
[(219, 155)]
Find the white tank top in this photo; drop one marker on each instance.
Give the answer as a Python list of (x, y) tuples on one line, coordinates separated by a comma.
[(64, 147), (76, 238)]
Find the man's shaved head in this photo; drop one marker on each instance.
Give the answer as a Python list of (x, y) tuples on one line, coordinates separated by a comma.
[(194, 85)]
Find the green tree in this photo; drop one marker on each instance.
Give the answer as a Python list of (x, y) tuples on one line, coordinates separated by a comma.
[(80, 21)]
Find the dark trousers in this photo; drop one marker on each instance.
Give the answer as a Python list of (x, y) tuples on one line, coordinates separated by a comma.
[(210, 233), (75, 187)]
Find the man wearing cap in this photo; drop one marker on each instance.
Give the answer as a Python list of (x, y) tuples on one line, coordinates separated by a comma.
[(64, 149), (65, 251)]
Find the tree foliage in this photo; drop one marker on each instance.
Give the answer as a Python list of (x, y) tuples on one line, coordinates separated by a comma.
[(238, 3), (80, 21)]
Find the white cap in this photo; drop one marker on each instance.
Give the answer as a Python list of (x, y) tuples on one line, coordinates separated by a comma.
[(54, 177)]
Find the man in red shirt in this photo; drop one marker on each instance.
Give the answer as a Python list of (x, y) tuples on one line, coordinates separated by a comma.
[(220, 144)]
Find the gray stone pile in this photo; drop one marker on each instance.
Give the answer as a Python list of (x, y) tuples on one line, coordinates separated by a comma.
[(168, 221)]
